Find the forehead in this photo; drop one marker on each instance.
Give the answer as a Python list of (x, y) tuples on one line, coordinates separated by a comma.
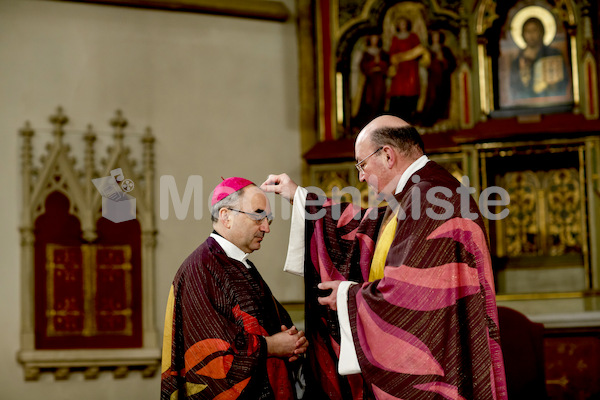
[(254, 198), (531, 26), (361, 147)]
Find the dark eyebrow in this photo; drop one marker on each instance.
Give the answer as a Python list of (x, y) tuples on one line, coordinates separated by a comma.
[(259, 211)]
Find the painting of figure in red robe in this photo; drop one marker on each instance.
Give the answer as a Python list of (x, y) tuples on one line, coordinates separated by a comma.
[(405, 67)]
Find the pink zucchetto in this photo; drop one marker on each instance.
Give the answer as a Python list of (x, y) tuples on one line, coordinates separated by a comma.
[(227, 187)]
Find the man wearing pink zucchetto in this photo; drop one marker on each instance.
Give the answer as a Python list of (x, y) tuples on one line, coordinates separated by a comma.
[(225, 334)]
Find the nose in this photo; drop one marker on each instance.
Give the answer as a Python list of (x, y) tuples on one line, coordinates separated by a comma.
[(264, 226), (361, 176)]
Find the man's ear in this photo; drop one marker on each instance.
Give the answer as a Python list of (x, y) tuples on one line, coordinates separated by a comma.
[(390, 156), (224, 217)]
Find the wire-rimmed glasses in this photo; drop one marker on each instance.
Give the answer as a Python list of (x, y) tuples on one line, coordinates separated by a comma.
[(256, 217), (359, 165)]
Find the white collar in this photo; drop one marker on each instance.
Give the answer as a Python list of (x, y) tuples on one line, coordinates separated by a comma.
[(231, 249), (412, 168)]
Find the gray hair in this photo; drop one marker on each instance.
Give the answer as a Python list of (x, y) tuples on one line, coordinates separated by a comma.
[(405, 139), (233, 200)]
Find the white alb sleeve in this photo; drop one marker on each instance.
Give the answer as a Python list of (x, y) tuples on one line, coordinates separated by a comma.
[(294, 261), (348, 363)]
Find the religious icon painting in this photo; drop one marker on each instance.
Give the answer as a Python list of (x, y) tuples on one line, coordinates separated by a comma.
[(403, 67), (533, 67), (368, 79)]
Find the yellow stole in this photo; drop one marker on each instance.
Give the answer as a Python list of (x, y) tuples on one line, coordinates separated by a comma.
[(382, 248)]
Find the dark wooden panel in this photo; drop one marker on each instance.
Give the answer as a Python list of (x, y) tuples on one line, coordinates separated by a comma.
[(573, 366)]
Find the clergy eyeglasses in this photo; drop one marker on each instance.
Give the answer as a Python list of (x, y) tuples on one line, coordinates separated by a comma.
[(256, 217), (359, 165)]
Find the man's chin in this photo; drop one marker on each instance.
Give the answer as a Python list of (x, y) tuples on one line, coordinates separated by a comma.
[(380, 197), (379, 194), (374, 189)]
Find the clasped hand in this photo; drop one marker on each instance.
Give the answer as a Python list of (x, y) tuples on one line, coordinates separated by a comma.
[(289, 343)]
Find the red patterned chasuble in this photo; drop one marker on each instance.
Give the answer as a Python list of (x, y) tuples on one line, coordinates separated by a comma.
[(429, 328), (217, 314)]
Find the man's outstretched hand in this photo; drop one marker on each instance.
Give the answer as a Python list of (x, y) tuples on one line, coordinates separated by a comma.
[(280, 184)]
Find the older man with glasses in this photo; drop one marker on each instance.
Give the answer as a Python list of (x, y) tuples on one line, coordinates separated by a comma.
[(400, 300), (225, 334)]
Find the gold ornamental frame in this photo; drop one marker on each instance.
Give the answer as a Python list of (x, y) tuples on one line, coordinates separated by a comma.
[(588, 150), (581, 56)]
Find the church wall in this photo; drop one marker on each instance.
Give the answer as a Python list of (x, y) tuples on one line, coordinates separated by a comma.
[(220, 94)]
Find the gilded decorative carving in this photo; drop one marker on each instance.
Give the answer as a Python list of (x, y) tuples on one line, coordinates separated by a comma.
[(588, 35), (565, 12), (521, 226), (486, 15), (454, 167), (344, 179), (545, 213), (327, 180), (349, 12), (591, 109), (444, 7), (562, 189)]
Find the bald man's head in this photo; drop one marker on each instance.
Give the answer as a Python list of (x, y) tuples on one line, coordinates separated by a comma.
[(388, 130), (388, 121)]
